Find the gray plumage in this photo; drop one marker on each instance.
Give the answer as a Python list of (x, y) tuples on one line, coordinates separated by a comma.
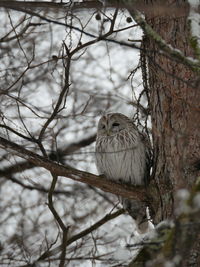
[(122, 155)]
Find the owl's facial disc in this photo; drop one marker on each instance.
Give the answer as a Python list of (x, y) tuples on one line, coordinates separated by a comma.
[(109, 125)]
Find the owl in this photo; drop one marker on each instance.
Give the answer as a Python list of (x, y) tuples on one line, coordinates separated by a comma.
[(122, 155)]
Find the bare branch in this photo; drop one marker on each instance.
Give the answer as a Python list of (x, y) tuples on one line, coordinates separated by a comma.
[(85, 232), (74, 174)]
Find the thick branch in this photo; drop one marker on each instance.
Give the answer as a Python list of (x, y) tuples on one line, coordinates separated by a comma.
[(158, 8), (127, 191), (57, 155)]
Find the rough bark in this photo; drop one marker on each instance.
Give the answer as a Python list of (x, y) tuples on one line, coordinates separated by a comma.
[(175, 112), (175, 106)]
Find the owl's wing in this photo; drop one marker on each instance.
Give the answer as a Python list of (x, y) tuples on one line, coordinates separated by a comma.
[(148, 156), (148, 166)]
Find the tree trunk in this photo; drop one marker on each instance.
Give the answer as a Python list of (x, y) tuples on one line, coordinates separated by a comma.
[(175, 112), (175, 107)]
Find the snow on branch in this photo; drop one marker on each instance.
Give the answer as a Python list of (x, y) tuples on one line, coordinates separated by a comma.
[(173, 242), (192, 63), (194, 20)]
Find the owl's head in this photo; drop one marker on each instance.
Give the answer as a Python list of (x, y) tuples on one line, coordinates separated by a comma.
[(112, 124)]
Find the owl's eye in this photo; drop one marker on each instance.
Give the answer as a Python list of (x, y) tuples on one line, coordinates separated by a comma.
[(103, 126), (115, 124)]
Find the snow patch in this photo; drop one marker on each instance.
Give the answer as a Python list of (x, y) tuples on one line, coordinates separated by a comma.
[(121, 254), (196, 201), (194, 18), (174, 262), (183, 194)]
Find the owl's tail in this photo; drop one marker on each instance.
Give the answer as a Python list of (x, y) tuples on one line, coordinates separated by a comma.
[(138, 211)]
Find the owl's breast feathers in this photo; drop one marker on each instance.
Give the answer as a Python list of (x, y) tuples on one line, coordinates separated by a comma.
[(122, 157)]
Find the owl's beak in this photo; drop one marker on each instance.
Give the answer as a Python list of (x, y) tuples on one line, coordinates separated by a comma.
[(108, 133)]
